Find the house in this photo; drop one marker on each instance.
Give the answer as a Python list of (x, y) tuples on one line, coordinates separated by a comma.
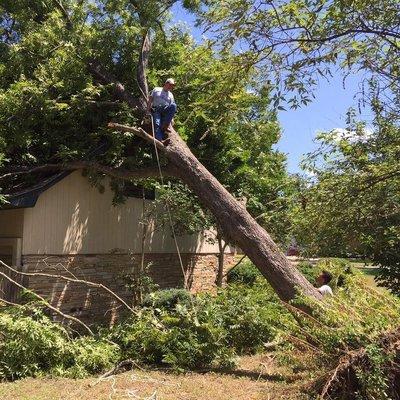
[(64, 226)]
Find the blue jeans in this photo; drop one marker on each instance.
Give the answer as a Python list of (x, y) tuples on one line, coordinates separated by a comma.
[(162, 117)]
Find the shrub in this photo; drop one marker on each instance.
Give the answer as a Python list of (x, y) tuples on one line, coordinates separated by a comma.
[(89, 355), (177, 339), (29, 344), (249, 315), (210, 331), (167, 299), (245, 273), (308, 270)]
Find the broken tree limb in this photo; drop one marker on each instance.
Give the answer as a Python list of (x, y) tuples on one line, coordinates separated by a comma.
[(46, 303), (344, 380), (104, 77), (141, 68), (138, 132), (238, 225), (120, 173), (73, 280)]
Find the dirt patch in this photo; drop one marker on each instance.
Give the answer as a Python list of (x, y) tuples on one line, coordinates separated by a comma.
[(257, 378)]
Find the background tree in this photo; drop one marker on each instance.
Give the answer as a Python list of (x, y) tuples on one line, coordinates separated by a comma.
[(356, 184), (296, 42)]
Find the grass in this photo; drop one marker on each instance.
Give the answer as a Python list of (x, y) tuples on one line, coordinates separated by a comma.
[(370, 272), (258, 377)]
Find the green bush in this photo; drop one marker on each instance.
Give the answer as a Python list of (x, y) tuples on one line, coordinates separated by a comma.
[(177, 339), (210, 331), (245, 273), (250, 315), (308, 270), (89, 355), (31, 345), (167, 298)]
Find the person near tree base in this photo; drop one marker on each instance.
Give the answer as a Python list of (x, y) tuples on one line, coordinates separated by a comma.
[(162, 106), (323, 279)]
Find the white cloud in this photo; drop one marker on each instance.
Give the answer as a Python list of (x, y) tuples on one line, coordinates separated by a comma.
[(352, 136)]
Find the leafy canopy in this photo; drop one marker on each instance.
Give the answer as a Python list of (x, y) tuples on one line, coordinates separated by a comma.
[(300, 41), (53, 109)]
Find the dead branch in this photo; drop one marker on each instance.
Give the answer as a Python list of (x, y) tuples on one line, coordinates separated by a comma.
[(74, 280), (120, 173), (48, 305), (123, 365), (139, 132)]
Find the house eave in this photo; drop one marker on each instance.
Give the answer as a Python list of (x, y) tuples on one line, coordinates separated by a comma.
[(28, 197)]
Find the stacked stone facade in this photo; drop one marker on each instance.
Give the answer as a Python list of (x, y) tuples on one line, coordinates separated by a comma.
[(93, 304)]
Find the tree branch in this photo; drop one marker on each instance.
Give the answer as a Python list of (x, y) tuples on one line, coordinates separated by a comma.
[(140, 173), (56, 310), (73, 280), (139, 132), (141, 69), (107, 78)]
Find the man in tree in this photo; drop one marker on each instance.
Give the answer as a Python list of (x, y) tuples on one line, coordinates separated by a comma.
[(162, 106)]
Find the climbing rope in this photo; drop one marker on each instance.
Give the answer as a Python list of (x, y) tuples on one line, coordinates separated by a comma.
[(185, 280)]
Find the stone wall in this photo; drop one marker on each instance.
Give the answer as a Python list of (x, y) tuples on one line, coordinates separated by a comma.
[(92, 304)]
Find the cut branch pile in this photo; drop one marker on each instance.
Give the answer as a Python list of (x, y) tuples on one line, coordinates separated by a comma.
[(344, 381)]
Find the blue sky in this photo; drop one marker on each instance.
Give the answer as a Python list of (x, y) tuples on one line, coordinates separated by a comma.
[(299, 127), (326, 112)]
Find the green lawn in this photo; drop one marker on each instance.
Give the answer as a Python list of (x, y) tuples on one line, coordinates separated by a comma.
[(370, 272)]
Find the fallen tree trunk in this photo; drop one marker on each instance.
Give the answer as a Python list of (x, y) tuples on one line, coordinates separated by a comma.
[(237, 224)]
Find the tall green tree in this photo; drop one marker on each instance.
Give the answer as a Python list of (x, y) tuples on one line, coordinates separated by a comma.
[(352, 205), (298, 42)]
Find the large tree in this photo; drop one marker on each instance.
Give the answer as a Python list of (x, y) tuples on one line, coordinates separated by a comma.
[(67, 68)]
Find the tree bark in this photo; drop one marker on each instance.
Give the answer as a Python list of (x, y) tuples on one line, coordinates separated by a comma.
[(238, 225), (141, 69)]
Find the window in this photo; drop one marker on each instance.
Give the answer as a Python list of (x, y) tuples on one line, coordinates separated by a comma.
[(10, 251)]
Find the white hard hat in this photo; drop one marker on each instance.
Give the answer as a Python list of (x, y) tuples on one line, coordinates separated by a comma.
[(170, 81)]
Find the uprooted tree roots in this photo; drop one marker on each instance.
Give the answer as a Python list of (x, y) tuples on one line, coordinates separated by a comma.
[(367, 373)]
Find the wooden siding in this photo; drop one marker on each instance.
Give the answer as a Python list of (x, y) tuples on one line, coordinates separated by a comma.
[(72, 217)]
